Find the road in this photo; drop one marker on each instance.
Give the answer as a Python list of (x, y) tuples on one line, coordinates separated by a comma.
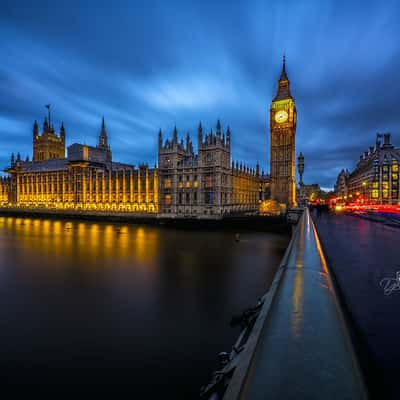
[(362, 254)]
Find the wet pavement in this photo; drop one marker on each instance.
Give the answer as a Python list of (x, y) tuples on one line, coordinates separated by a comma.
[(365, 258)]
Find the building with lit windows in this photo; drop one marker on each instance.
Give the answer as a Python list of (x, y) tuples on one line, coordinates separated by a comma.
[(4, 186), (341, 185), (87, 179), (375, 178), (185, 184), (206, 184)]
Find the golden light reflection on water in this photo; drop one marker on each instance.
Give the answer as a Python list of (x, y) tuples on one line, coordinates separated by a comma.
[(96, 242)]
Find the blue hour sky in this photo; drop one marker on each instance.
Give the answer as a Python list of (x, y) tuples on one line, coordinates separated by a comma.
[(146, 65)]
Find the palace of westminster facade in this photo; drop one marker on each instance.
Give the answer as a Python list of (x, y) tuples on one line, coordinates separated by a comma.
[(185, 184)]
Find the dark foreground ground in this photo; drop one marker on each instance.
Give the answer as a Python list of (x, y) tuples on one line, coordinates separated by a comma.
[(365, 257)]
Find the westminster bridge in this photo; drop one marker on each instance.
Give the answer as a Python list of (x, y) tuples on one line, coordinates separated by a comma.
[(328, 326)]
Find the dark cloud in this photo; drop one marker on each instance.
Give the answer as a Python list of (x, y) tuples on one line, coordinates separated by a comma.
[(146, 65)]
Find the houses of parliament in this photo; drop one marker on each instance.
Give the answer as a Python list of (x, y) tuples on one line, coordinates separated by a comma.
[(184, 184)]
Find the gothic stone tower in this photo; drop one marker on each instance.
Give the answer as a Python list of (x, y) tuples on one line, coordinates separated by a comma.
[(282, 124), (48, 145)]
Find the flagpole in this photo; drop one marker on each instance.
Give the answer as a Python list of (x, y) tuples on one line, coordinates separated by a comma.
[(48, 110)]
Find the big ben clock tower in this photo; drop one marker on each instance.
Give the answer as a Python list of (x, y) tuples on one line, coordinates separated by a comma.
[(282, 122)]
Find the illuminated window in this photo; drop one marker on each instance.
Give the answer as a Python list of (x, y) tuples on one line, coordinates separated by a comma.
[(188, 184), (375, 185), (395, 177), (167, 183), (395, 168), (384, 193), (180, 184), (195, 184), (375, 194), (167, 199)]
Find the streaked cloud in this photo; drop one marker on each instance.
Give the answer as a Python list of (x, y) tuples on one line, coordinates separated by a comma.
[(146, 65)]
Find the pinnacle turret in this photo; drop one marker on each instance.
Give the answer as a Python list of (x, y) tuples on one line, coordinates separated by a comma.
[(62, 130), (159, 138), (103, 140), (35, 129)]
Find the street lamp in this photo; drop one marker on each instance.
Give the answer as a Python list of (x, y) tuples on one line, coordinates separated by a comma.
[(300, 169), (364, 185)]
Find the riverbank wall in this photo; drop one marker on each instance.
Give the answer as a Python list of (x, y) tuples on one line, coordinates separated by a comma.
[(278, 224)]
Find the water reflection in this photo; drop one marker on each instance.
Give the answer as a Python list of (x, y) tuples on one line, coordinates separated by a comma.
[(101, 298), (96, 242)]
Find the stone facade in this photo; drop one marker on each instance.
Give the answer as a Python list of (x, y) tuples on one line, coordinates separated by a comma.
[(87, 179), (206, 184), (282, 143), (48, 145), (4, 189), (341, 185)]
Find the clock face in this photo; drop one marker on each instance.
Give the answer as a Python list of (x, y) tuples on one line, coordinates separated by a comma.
[(281, 116)]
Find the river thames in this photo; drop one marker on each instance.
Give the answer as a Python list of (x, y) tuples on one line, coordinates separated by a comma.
[(85, 302)]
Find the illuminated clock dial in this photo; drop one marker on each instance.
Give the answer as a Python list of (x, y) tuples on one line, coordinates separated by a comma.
[(281, 116)]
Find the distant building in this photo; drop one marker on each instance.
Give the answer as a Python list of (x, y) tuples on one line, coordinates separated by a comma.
[(342, 184), (282, 120), (87, 179), (312, 192), (375, 178), (207, 183)]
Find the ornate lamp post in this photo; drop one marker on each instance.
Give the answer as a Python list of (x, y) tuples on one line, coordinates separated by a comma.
[(300, 169)]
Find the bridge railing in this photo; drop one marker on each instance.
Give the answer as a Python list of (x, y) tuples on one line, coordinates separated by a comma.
[(295, 343)]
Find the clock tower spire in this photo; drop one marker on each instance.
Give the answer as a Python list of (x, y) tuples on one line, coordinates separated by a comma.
[(283, 91), (282, 142)]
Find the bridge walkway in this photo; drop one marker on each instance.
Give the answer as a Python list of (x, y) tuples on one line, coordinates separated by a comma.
[(299, 347)]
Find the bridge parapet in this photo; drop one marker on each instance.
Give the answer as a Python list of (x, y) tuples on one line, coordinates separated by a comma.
[(295, 343)]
